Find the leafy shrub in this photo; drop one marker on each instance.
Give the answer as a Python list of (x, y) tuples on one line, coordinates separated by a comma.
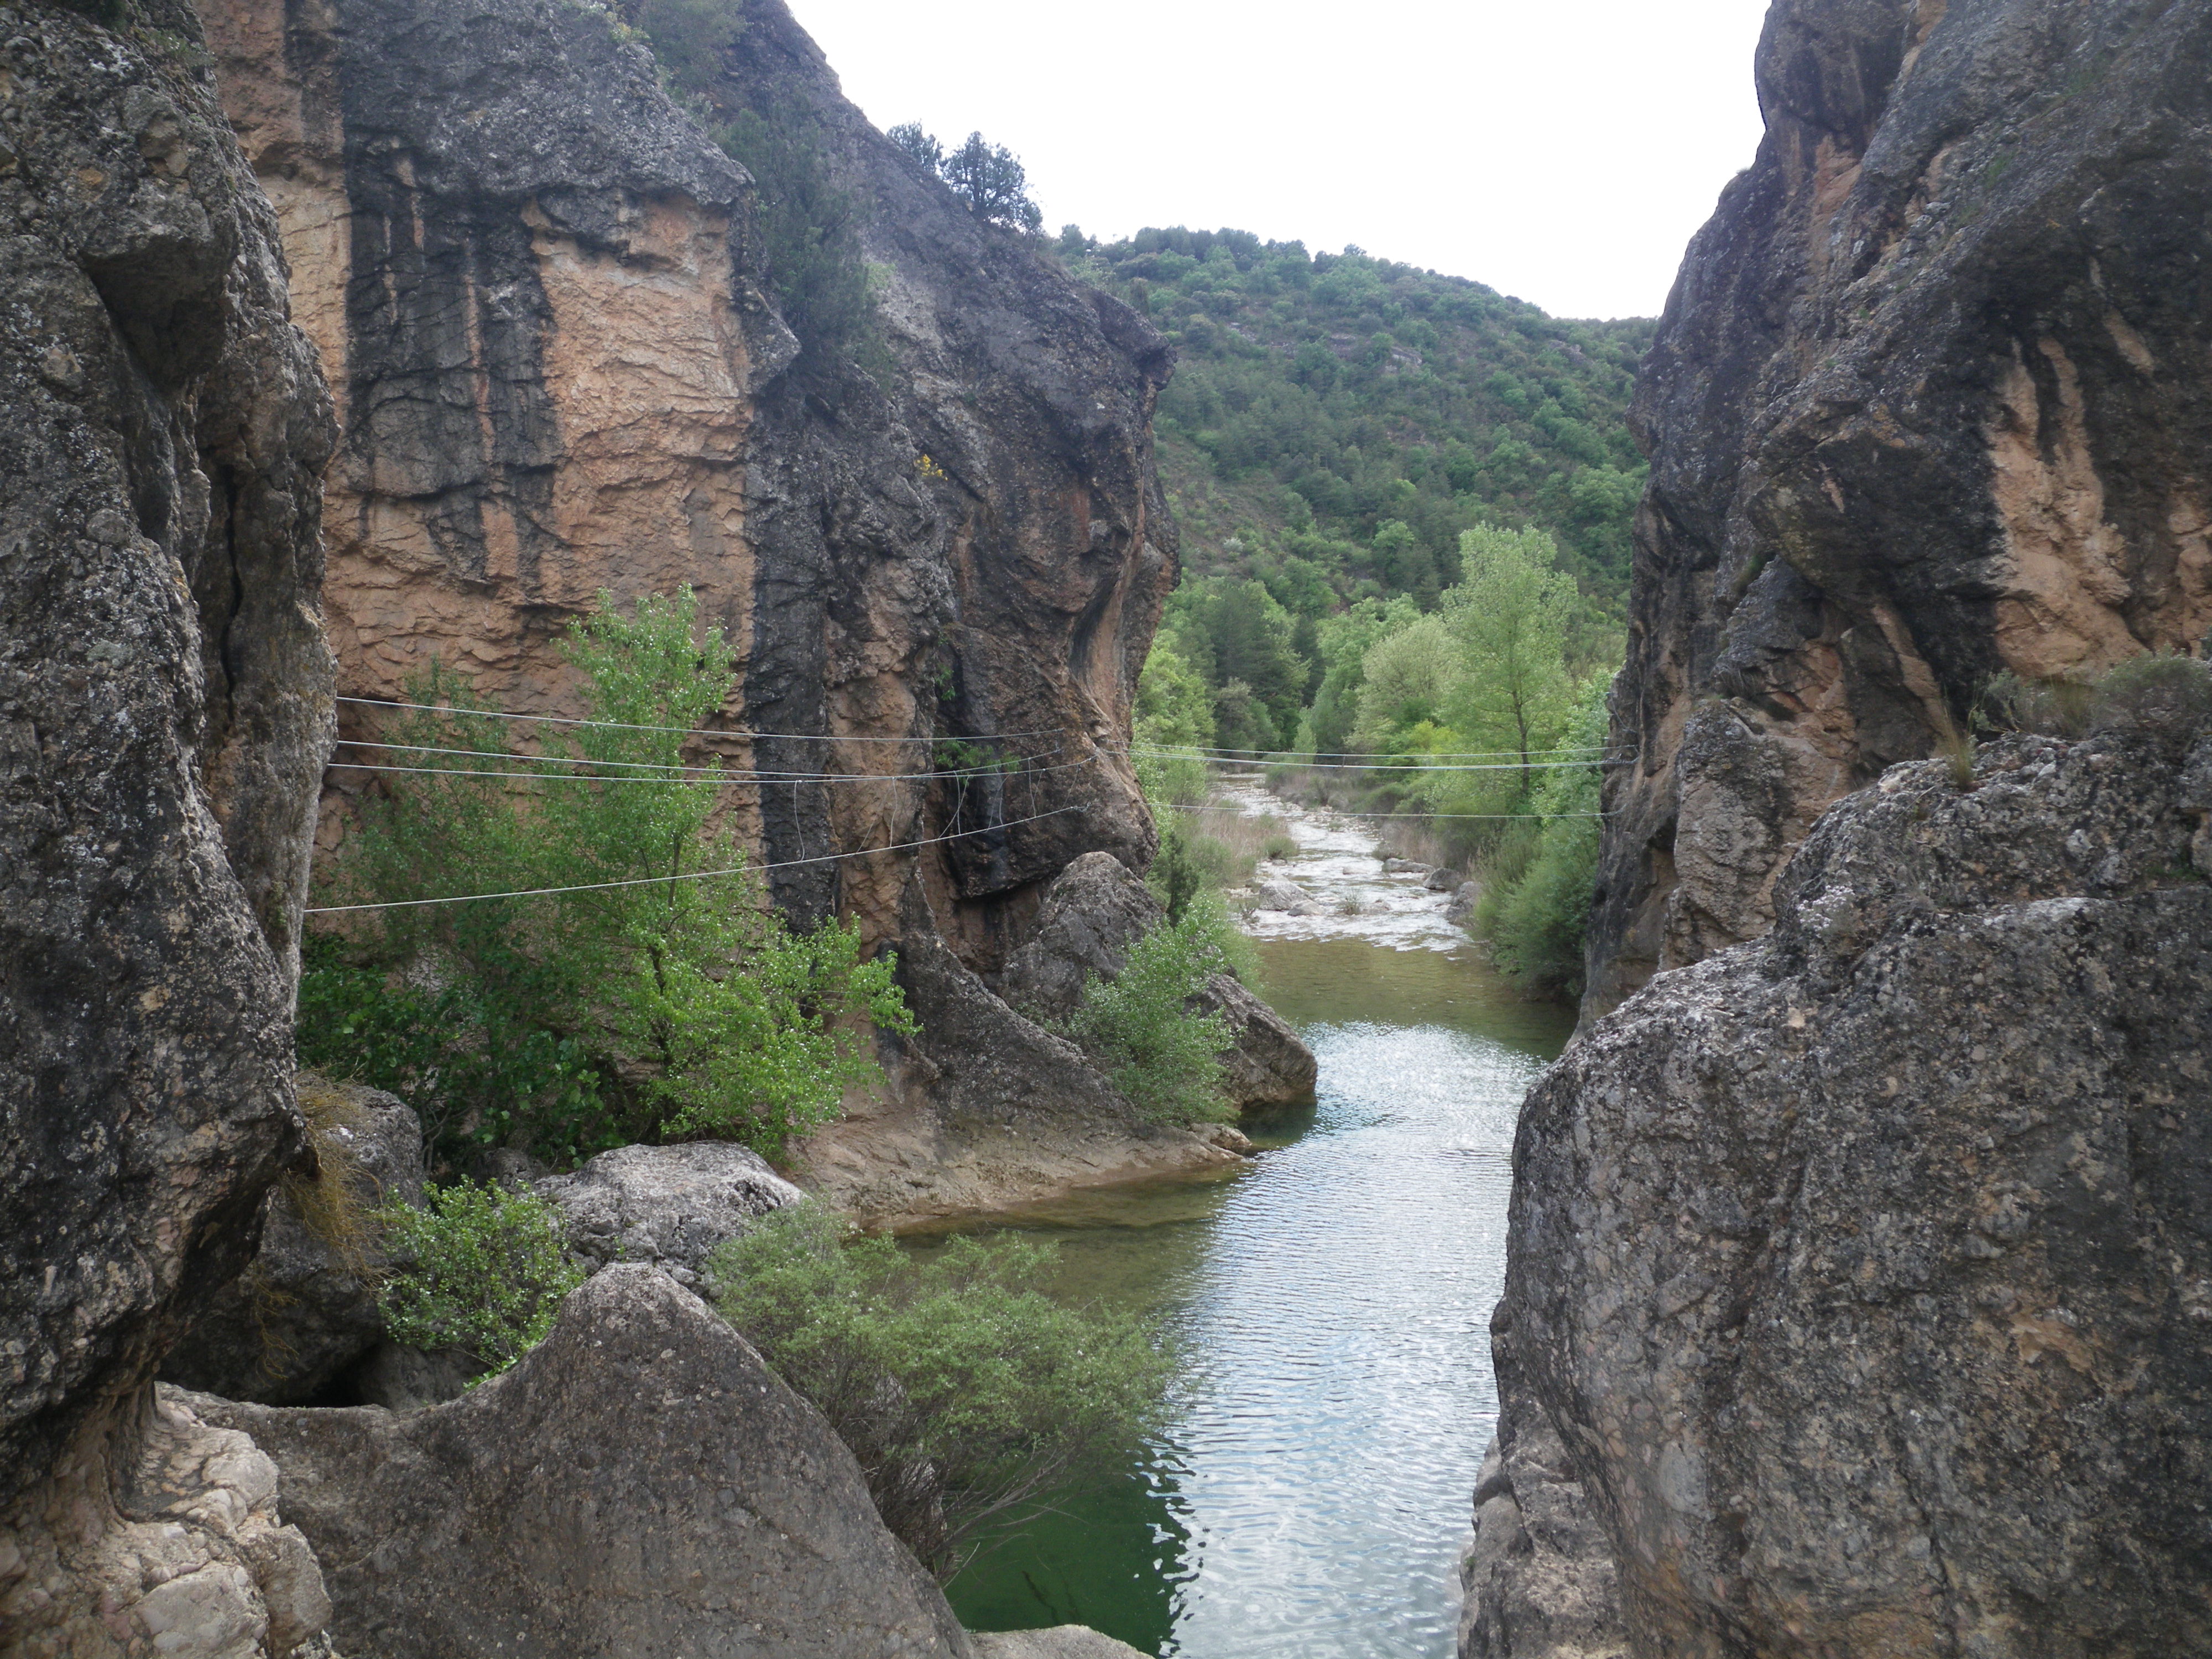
[(965, 1392), (2161, 695), (1138, 1027), (489, 1269), (2155, 693), (805, 239)]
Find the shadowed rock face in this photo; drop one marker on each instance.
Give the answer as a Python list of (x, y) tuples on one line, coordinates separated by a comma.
[(303, 1310), (639, 1484), (539, 289), (164, 713), (1863, 1269), (1928, 401)]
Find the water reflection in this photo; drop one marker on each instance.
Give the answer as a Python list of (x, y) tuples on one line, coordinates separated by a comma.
[(1309, 1498)]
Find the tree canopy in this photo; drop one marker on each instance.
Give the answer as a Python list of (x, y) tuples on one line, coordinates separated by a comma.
[(987, 177)]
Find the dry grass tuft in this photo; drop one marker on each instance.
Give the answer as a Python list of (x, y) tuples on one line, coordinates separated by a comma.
[(334, 1207)]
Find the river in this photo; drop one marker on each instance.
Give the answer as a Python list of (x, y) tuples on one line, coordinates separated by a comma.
[(1330, 1304)]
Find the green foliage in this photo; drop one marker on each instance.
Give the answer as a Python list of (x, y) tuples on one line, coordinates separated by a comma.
[(1511, 615), (1175, 710), (485, 1270), (1322, 399), (464, 1054), (1537, 890), (966, 1393), (1244, 644), (988, 179), (1138, 1027), (806, 236), (678, 1005), (690, 38)]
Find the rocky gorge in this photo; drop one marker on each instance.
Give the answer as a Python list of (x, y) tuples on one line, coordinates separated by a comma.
[(1857, 1241), (1856, 1298)]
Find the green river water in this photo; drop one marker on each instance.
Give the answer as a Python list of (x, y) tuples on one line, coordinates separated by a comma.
[(1332, 1304)]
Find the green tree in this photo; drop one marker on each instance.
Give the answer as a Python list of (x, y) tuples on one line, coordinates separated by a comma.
[(633, 940), (1139, 1028), (1409, 675), (1511, 612), (807, 240), (988, 179)]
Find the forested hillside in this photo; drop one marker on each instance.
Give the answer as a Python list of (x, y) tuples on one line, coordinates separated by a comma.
[(1337, 420)]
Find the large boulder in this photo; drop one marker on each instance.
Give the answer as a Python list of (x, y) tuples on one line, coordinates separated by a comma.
[(669, 1207), (1089, 916), (305, 1310), (1091, 912), (639, 1484), (1863, 1271)]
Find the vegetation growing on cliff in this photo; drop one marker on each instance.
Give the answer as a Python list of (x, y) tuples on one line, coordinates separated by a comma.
[(967, 1393), (628, 981)]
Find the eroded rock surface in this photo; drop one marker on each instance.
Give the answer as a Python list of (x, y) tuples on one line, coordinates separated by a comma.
[(1863, 1270), (670, 1207), (642, 1483), (164, 711), (1928, 402), (303, 1310), (1537, 1580)]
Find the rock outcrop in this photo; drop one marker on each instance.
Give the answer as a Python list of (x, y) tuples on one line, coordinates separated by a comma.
[(556, 320), (1060, 1642), (303, 1310), (670, 1207), (1863, 1269), (641, 1483), (1928, 403), (164, 715), (1091, 912)]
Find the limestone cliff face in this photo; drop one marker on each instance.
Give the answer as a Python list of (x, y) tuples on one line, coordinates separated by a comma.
[(1850, 1307), (1928, 401), (539, 290), (1863, 1270), (164, 715)]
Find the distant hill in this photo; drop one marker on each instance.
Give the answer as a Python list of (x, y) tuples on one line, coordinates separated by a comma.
[(1323, 398)]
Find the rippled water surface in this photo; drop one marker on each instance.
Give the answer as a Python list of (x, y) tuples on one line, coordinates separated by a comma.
[(1309, 1500)]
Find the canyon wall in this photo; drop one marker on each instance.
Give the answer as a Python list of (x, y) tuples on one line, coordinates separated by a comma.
[(1929, 401), (165, 710), (1855, 1259), (547, 302)]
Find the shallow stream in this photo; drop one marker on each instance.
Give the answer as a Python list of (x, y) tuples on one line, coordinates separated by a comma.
[(1310, 1499)]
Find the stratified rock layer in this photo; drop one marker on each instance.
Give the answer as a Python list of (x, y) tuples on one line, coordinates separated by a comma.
[(640, 1483), (1863, 1270), (1928, 401), (164, 711)]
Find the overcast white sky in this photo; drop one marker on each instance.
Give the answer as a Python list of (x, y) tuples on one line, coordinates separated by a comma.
[(1563, 152)]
